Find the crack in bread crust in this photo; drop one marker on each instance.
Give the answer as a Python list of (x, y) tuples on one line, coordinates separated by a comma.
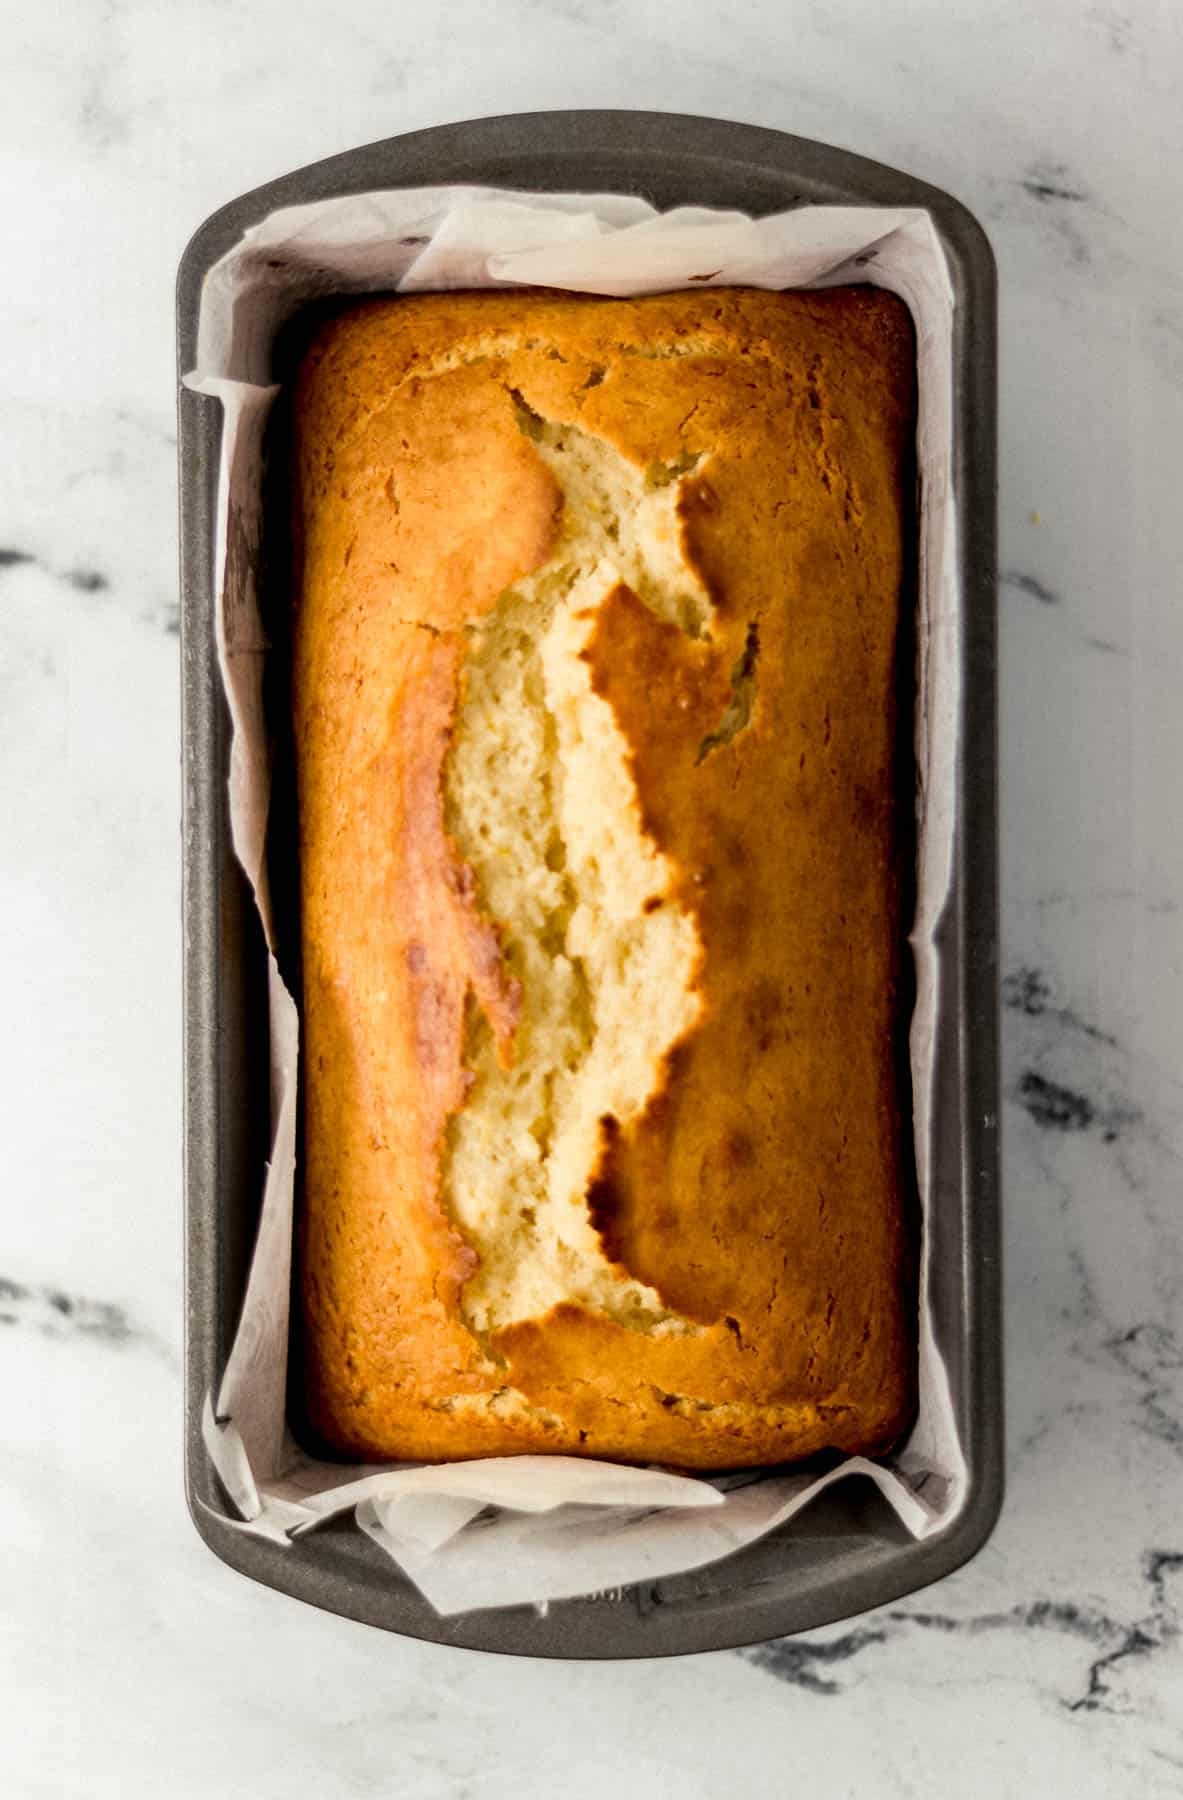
[(542, 806)]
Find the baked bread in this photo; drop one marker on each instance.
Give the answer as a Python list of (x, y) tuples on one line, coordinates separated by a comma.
[(597, 667)]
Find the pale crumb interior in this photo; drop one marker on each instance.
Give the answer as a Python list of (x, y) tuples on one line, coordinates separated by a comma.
[(541, 803)]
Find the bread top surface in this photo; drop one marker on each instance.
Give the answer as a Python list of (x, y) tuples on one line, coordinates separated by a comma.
[(596, 700)]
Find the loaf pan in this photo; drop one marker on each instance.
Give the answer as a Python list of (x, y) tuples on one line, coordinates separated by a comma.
[(846, 1552)]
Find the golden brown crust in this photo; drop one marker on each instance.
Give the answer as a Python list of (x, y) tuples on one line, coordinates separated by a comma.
[(762, 1190)]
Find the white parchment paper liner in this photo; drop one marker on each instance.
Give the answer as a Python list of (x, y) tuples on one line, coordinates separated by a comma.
[(502, 1531)]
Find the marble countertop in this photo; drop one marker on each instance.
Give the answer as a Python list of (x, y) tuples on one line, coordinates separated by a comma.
[(131, 1661)]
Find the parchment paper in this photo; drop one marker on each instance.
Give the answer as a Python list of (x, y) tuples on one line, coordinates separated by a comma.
[(502, 1531)]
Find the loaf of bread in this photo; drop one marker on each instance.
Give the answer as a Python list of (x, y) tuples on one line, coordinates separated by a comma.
[(601, 633)]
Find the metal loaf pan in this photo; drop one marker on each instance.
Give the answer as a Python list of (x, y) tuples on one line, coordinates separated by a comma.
[(846, 1552)]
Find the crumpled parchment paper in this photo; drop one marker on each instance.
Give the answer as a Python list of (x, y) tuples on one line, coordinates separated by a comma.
[(503, 1531)]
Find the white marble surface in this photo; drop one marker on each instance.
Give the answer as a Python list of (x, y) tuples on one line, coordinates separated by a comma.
[(131, 1662)]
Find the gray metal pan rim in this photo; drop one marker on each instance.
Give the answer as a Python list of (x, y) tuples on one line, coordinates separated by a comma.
[(845, 1558)]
